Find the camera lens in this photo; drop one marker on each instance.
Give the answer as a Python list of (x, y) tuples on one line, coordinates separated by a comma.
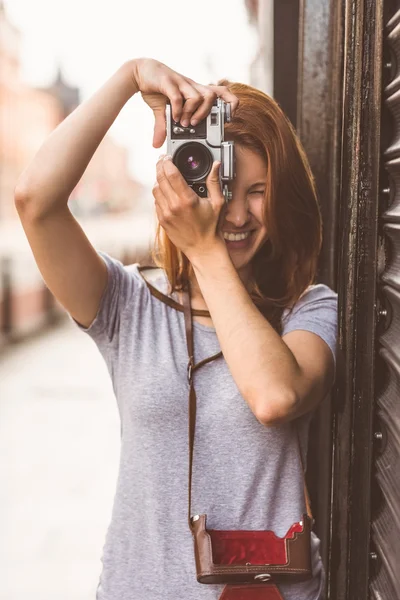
[(193, 160)]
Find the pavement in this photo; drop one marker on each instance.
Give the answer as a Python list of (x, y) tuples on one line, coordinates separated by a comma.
[(59, 453)]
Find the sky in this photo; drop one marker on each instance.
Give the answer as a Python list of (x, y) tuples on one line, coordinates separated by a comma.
[(89, 39)]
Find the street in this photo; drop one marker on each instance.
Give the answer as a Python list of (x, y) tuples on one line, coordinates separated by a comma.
[(59, 449)]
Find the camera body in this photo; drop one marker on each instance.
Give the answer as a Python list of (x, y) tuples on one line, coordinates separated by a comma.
[(195, 148)]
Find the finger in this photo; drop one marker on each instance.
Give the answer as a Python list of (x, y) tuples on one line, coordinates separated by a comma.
[(161, 205), (209, 97), (173, 93), (160, 216), (160, 128), (193, 99), (158, 195), (223, 92), (163, 182), (177, 182), (214, 187)]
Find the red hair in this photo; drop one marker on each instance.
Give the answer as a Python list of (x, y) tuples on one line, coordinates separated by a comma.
[(286, 264)]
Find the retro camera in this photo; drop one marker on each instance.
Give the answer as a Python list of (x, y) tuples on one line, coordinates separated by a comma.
[(195, 148)]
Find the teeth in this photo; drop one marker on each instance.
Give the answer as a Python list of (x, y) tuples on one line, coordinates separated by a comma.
[(236, 237)]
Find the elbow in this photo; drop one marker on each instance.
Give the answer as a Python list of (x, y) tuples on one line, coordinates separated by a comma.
[(276, 408), (23, 200), (21, 196), (30, 203)]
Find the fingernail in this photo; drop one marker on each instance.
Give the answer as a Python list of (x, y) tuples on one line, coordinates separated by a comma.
[(167, 157), (185, 123), (161, 156), (194, 122)]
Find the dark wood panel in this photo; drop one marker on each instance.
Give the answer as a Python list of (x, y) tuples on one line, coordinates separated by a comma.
[(286, 43), (349, 567), (319, 104), (318, 125)]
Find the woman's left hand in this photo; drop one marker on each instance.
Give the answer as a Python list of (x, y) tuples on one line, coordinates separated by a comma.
[(190, 222)]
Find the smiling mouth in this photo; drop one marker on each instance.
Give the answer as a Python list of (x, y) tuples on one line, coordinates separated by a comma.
[(240, 242), (237, 237)]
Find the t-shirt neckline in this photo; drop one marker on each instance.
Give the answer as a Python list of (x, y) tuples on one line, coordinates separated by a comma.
[(174, 296)]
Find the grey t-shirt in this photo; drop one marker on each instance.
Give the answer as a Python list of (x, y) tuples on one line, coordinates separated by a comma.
[(245, 475)]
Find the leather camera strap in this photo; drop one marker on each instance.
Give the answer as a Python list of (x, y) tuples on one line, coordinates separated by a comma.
[(191, 368)]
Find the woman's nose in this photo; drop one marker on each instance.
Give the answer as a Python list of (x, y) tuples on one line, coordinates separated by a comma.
[(237, 211)]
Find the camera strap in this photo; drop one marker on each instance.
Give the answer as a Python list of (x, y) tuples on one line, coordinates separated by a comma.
[(191, 368)]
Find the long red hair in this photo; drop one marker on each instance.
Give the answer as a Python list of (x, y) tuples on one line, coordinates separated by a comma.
[(286, 264)]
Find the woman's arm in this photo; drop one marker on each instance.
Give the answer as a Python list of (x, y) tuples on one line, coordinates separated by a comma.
[(280, 378), (47, 182), (69, 264)]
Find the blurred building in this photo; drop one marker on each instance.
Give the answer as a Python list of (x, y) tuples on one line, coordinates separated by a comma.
[(106, 185), (66, 95), (27, 117)]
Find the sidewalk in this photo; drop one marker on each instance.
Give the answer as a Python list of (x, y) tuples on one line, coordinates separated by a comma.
[(59, 453)]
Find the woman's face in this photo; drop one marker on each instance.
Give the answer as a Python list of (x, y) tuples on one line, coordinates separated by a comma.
[(243, 214)]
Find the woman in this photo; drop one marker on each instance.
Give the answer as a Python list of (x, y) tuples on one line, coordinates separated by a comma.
[(251, 264)]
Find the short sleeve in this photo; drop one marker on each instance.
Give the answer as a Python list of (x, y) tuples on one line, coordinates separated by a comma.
[(315, 311), (124, 282)]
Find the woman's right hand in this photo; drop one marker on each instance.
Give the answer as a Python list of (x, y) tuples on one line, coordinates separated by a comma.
[(190, 101)]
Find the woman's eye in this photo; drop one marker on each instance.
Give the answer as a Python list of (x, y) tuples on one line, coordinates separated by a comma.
[(257, 192)]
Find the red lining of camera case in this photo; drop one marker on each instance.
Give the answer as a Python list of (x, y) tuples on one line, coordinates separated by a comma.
[(254, 547)]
